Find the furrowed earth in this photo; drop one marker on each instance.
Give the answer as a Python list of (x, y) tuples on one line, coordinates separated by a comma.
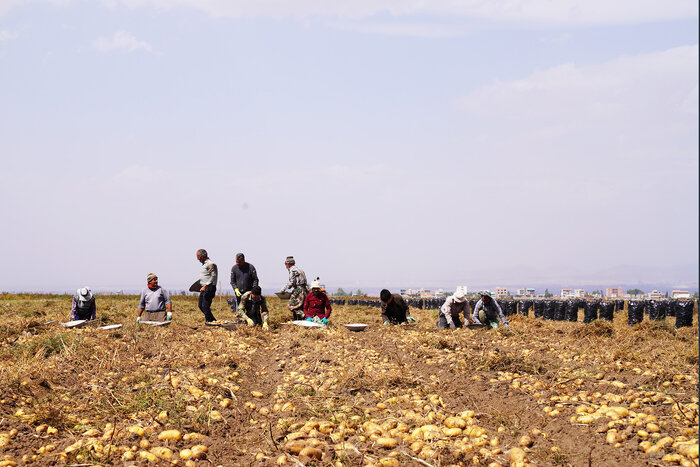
[(541, 393)]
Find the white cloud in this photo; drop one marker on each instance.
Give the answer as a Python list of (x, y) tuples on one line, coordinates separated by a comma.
[(6, 36), (539, 12), (121, 40), (402, 29), (642, 107), (142, 174)]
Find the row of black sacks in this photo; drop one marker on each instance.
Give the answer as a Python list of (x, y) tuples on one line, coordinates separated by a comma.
[(566, 310)]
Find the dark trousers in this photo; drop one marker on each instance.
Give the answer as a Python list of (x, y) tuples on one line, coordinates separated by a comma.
[(205, 299), (442, 322)]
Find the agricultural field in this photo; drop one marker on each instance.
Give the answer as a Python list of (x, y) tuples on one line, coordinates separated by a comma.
[(540, 393)]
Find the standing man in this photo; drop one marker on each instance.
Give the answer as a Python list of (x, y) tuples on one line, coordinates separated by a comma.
[(208, 276), (253, 308), (454, 306), (243, 278), (155, 302), (487, 311), (297, 282), (394, 308)]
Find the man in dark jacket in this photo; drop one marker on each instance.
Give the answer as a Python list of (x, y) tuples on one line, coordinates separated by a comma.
[(253, 308), (394, 308), (243, 278)]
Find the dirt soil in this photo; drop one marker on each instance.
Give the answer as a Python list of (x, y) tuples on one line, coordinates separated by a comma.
[(540, 393)]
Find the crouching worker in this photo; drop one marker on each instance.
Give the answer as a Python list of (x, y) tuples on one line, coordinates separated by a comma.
[(317, 307), (253, 308), (394, 308), (155, 304), (83, 306), (487, 311), (454, 306)]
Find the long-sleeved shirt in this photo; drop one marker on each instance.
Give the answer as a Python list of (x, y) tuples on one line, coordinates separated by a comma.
[(396, 311), (297, 278), (452, 308), (244, 278), (209, 273), (493, 312), (83, 309), (250, 307), (154, 300), (317, 305)]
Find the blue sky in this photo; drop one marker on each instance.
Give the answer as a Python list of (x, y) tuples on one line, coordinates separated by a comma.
[(383, 143)]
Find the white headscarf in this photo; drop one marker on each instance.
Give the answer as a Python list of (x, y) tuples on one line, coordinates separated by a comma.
[(84, 294)]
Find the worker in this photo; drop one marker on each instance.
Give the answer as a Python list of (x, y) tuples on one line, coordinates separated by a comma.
[(208, 276), (317, 307), (243, 278), (155, 304), (252, 308), (297, 282), (394, 309), (487, 311), (455, 305), (83, 305)]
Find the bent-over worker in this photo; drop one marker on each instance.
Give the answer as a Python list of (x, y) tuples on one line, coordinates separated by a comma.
[(317, 307), (487, 311), (394, 308), (155, 304), (454, 306), (253, 308), (83, 305)]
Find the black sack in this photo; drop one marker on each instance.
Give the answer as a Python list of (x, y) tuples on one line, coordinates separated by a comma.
[(606, 311), (538, 308), (684, 313), (590, 311), (635, 312)]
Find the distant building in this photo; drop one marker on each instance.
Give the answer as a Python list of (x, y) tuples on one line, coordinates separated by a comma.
[(655, 295), (500, 292), (680, 294), (614, 293), (579, 293), (528, 292), (566, 293)]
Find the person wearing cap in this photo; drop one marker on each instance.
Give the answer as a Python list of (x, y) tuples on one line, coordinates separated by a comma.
[(455, 305), (155, 304), (394, 308), (297, 282), (317, 307), (83, 306), (243, 278), (253, 308), (208, 276), (487, 311)]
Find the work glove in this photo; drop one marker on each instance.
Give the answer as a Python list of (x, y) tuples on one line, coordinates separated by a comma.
[(238, 292), (506, 325), (169, 316), (494, 325), (386, 323), (265, 326), (452, 325), (411, 319), (138, 320), (309, 319), (324, 320), (249, 321)]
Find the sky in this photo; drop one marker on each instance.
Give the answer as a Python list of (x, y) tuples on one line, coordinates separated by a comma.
[(381, 143)]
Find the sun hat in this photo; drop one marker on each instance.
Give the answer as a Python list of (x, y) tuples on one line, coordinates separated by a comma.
[(460, 297), (315, 285)]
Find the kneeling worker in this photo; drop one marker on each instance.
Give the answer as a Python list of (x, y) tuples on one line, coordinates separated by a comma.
[(83, 306), (317, 307), (253, 308), (394, 308), (487, 311), (155, 302), (454, 306)]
